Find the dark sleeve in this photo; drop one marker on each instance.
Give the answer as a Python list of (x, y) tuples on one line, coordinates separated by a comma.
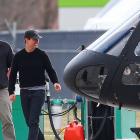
[(10, 57), (49, 69), (13, 75)]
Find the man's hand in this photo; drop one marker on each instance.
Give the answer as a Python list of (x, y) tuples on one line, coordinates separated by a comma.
[(57, 87), (12, 97)]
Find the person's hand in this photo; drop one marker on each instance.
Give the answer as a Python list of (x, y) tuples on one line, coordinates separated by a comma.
[(12, 97), (57, 87)]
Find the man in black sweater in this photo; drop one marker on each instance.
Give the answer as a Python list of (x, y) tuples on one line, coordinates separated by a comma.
[(6, 56), (32, 63)]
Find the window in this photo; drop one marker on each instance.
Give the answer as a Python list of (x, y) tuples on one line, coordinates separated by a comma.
[(119, 46), (90, 80), (131, 74), (113, 45), (137, 50)]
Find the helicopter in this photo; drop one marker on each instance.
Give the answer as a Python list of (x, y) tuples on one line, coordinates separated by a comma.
[(108, 70)]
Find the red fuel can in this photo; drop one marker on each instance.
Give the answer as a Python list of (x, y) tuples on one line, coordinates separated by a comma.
[(74, 131)]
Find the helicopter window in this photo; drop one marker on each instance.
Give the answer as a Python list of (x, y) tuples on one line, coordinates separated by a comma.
[(112, 45), (90, 79), (137, 50), (131, 75), (119, 45)]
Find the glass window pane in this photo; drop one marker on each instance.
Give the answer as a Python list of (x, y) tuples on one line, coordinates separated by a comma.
[(137, 50), (90, 80), (119, 46), (131, 74)]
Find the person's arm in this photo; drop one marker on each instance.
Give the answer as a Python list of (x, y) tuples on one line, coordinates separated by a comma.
[(13, 76), (9, 59), (10, 56), (52, 74)]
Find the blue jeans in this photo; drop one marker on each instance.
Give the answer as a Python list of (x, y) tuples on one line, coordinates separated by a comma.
[(32, 102)]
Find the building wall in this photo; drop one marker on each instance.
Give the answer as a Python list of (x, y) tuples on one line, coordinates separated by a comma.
[(74, 14), (75, 18)]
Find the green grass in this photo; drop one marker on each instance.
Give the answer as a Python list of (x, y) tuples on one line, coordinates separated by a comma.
[(82, 3)]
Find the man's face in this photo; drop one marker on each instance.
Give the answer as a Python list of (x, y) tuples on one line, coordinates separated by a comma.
[(30, 42)]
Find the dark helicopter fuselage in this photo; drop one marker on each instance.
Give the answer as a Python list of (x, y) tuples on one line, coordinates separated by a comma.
[(108, 71)]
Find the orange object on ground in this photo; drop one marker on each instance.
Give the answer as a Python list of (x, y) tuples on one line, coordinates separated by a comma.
[(74, 131)]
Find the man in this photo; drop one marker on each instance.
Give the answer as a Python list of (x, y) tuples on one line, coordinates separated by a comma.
[(6, 56), (32, 63)]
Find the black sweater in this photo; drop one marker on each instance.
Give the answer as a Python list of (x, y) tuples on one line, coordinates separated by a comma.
[(6, 56), (31, 67)]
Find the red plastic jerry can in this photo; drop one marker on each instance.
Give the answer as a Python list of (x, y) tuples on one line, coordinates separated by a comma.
[(74, 131)]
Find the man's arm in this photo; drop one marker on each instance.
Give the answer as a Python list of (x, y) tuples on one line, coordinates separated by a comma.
[(12, 97), (52, 74), (10, 57), (50, 70), (8, 72), (13, 76)]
